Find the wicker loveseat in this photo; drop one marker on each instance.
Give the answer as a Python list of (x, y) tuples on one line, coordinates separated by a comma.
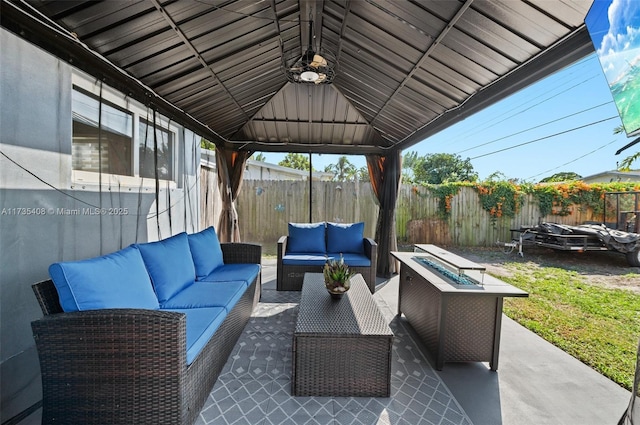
[(308, 246), (117, 356)]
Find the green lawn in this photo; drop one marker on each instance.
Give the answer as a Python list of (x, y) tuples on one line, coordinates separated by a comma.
[(599, 326)]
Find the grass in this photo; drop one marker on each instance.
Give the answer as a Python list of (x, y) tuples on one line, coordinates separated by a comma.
[(598, 326)]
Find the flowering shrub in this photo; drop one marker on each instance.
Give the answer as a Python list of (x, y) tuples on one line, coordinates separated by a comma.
[(500, 198), (445, 193), (505, 198), (557, 199)]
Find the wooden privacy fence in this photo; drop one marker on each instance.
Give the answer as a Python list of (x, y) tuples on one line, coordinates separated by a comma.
[(266, 206), (210, 200), (468, 224)]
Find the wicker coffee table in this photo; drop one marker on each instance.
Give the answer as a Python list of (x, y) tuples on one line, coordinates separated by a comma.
[(341, 348)]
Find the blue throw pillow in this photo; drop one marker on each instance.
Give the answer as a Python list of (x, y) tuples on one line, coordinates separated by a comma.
[(169, 264), (346, 238), (117, 280), (306, 237), (205, 251)]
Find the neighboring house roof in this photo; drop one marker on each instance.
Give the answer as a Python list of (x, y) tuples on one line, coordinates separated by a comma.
[(258, 170), (208, 158), (613, 176)]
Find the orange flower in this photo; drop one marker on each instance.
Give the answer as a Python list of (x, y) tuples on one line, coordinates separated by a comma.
[(447, 202)]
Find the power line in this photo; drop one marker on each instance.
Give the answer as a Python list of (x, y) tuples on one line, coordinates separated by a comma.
[(545, 137), (75, 198), (490, 124), (572, 161), (46, 183), (546, 99), (533, 128)]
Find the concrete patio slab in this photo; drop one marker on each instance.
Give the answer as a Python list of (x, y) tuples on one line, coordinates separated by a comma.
[(535, 384)]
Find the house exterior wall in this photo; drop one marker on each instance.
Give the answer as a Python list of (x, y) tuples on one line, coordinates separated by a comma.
[(257, 170), (51, 213)]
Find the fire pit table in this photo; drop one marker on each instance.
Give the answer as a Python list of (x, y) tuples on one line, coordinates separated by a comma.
[(458, 315)]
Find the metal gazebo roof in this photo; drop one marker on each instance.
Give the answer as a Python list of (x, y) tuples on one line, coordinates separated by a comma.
[(404, 70)]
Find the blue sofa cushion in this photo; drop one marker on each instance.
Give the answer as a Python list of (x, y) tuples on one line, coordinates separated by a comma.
[(169, 264), (345, 238), (205, 251), (202, 323), (303, 259), (354, 260), (306, 238), (208, 294), (234, 272), (116, 280)]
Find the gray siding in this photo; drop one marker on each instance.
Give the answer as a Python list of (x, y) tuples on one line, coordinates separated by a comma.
[(36, 173)]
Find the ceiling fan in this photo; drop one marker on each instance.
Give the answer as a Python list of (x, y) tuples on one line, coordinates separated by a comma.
[(311, 67)]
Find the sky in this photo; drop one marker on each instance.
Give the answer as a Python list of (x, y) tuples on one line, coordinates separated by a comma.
[(563, 123)]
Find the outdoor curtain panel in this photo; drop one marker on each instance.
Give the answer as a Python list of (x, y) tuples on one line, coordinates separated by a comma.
[(384, 173), (230, 165)]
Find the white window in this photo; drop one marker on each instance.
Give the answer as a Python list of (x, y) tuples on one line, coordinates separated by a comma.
[(113, 137), (156, 152), (102, 136)]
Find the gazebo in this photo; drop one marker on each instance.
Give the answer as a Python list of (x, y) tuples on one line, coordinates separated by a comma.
[(344, 77), (365, 77)]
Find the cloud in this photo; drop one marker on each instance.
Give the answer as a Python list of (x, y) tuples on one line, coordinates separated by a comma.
[(623, 35)]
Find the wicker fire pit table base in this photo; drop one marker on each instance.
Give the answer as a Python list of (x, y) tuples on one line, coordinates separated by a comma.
[(341, 348)]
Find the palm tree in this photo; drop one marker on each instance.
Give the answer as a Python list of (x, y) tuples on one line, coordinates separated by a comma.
[(343, 170), (625, 165), (296, 160)]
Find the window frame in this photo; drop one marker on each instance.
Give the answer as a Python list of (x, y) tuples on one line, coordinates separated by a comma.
[(131, 170), (162, 125), (90, 86)]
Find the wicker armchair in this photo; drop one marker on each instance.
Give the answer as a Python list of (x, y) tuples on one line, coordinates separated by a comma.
[(128, 366)]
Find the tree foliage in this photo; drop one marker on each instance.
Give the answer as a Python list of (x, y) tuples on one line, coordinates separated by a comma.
[(409, 161), (260, 157), (296, 160), (625, 165), (363, 174), (438, 168), (206, 144), (343, 170), (561, 177), (499, 176)]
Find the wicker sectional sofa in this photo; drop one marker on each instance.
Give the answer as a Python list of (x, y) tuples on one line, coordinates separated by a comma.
[(141, 335), (308, 246)]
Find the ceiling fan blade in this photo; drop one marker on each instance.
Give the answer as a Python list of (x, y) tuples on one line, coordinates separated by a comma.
[(318, 61)]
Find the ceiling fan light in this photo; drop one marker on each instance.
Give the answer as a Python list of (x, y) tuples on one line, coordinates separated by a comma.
[(311, 67), (309, 76)]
